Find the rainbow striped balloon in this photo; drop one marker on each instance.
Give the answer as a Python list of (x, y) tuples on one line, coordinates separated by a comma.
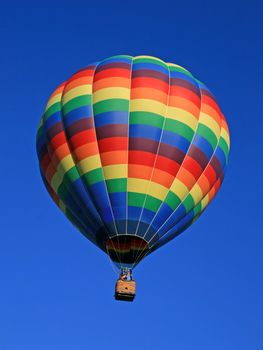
[(132, 149)]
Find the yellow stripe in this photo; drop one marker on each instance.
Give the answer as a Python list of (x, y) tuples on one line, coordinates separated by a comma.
[(157, 191), (62, 206), (204, 202), (65, 165), (115, 171), (88, 164), (147, 106), (52, 101), (141, 186), (56, 181), (77, 91), (225, 136), (179, 189), (210, 123), (182, 116), (111, 92), (196, 193)]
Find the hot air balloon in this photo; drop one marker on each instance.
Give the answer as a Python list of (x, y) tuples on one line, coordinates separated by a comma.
[(132, 150)]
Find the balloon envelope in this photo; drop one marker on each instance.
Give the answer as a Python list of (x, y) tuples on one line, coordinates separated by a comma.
[(132, 149)]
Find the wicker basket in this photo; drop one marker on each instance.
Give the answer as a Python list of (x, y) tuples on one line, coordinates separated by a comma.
[(125, 290)]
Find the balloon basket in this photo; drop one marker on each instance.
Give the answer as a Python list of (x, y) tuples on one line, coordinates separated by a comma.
[(125, 290)]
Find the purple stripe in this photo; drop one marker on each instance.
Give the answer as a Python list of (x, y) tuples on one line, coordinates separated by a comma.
[(112, 130), (147, 73), (185, 84), (165, 150), (78, 126), (120, 65), (198, 156)]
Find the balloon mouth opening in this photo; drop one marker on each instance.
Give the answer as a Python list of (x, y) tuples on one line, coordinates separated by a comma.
[(126, 249)]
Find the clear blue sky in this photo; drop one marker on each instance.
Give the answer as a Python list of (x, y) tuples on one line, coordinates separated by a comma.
[(204, 290)]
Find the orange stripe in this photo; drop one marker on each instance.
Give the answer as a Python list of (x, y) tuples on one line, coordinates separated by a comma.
[(87, 150), (78, 82), (58, 90), (150, 83), (182, 103), (83, 73), (212, 113), (62, 151), (139, 171), (204, 184), (186, 178), (148, 93), (163, 178), (116, 157)]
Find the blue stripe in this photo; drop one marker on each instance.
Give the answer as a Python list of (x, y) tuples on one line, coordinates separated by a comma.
[(180, 75), (119, 213), (52, 120), (114, 117), (118, 198), (163, 213), (134, 213), (220, 155), (175, 140), (179, 228), (173, 219), (201, 143), (150, 66), (145, 131), (77, 114)]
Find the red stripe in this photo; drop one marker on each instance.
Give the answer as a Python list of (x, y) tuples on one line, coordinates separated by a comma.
[(193, 167), (185, 93), (57, 140), (210, 174), (82, 138), (83, 73), (150, 83), (142, 158), (114, 72), (167, 165), (113, 144)]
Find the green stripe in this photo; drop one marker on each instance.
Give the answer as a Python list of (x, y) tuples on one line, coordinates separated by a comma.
[(62, 191), (80, 101), (113, 104), (181, 70), (71, 176), (93, 176), (208, 134), (52, 110), (197, 209), (150, 60), (188, 203), (172, 200), (40, 132), (117, 185), (136, 199), (223, 145), (152, 203), (146, 118), (179, 128), (115, 57)]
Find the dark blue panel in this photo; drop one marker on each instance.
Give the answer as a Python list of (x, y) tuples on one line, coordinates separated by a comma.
[(145, 131), (77, 114)]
